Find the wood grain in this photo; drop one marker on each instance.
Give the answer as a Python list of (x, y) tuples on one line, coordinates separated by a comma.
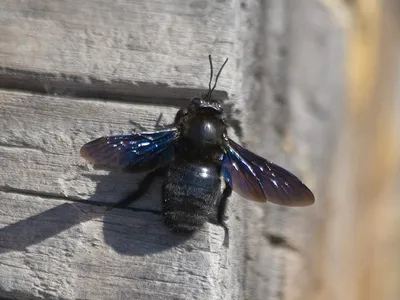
[(55, 247), (61, 249), (71, 71), (42, 135), (128, 43), (295, 86)]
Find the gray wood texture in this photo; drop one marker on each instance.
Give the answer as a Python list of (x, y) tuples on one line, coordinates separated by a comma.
[(292, 99), (71, 71)]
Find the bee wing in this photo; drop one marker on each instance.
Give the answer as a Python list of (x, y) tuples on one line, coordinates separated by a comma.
[(257, 179), (134, 152)]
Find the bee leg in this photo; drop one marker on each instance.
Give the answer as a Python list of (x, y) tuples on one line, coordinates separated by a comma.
[(142, 189), (138, 127), (158, 125), (221, 218)]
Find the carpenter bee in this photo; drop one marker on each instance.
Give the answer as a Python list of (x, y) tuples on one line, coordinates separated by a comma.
[(192, 155)]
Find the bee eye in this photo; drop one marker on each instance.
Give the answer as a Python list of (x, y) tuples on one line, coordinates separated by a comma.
[(196, 101)]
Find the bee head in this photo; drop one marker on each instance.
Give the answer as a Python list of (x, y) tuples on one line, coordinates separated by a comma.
[(204, 104)]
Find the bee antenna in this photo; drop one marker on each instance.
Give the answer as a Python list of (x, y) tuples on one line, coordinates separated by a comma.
[(216, 78), (211, 76)]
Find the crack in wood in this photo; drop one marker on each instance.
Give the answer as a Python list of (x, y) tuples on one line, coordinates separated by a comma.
[(74, 86), (24, 147), (53, 196)]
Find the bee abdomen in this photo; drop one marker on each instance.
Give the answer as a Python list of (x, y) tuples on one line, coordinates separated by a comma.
[(190, 193), (184, 221)]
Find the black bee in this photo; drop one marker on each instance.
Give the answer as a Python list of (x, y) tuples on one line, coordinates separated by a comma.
[(192, 155)]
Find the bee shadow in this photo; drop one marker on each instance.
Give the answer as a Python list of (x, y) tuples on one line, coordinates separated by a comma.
[(138, 230)]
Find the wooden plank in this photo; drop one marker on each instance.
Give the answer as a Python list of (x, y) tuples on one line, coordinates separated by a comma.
[(60, 249), (52, 247), (138, 52), (145, 48), (116, 50), (294, 78)]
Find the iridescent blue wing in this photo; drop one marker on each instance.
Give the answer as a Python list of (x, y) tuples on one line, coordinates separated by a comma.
[(133, 152), (255, 178)]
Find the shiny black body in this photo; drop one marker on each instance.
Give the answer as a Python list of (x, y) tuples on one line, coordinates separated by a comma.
[(192, 181), (192, 186)]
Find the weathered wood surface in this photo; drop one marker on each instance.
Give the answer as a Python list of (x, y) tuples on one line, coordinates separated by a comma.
[(43, 134), (43, 233), (152, 52), (65, 250), (293, 87), (136, 47), (80, 70)]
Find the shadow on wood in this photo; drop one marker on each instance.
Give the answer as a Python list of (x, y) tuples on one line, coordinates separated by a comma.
[(69, 85), (132, 231)]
